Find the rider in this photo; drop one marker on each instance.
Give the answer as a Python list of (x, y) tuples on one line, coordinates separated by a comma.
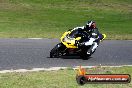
[(94, 40)]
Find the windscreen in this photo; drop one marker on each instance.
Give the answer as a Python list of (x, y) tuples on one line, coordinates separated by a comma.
[(73, 34)]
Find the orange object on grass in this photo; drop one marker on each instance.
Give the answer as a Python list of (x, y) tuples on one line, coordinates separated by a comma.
[(81, 71)]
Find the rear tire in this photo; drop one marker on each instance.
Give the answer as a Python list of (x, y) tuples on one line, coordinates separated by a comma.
[(83, 54)]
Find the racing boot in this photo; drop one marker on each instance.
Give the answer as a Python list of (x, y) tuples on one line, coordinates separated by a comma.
[(92, 48)]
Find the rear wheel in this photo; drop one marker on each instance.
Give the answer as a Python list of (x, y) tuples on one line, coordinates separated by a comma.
[(83, 54)]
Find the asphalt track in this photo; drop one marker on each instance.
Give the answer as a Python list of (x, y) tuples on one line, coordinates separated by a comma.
[(34, 53)]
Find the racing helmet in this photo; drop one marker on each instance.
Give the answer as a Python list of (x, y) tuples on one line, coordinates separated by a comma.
[(90, 25)]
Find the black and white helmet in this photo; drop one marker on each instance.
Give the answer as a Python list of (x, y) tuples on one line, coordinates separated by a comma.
[(89, 24)]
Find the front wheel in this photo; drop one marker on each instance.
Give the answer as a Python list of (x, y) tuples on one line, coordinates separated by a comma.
[(56, 52)]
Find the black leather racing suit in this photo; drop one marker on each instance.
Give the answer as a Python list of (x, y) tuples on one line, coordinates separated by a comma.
[(93, 39)]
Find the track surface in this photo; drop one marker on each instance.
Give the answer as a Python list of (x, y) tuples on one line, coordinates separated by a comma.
[(30, 53)]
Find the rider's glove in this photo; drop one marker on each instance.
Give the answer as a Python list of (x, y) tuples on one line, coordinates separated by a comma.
[(80, 44), (76, 43)]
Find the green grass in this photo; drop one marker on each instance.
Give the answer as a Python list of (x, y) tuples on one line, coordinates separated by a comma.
[(59, 79), (50, 18)]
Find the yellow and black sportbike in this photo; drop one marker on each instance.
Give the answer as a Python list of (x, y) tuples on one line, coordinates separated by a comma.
[(68, 45)]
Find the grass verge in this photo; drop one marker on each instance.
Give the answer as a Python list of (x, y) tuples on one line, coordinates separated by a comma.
[(46, 18), (60, 79)]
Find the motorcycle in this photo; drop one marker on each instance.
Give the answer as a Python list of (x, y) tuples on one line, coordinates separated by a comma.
[(68, 45)]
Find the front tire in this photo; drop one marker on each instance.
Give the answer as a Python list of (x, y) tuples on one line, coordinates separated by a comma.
[(56, 52)]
